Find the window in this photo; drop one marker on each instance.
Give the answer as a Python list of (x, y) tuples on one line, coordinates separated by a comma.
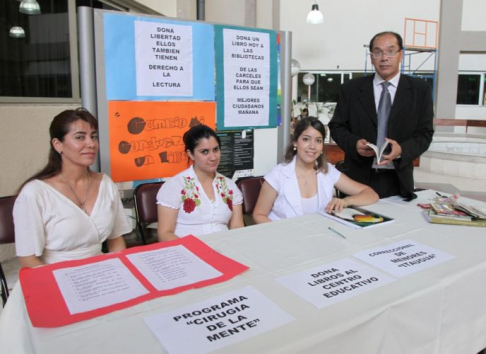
[(484, 89), (37, 65), (468, 87), (326, 86), (40, 67)]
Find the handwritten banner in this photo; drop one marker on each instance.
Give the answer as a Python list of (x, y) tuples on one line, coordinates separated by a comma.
[(217, 322), (403, 258), (334, 282), (146, 137)]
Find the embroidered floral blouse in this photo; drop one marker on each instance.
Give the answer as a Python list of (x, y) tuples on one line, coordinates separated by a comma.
[(197, 214)]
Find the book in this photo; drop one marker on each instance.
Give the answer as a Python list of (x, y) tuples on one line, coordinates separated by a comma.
[(434, 218), (379, 151), (468, 209), (358, 218), (445, 209)]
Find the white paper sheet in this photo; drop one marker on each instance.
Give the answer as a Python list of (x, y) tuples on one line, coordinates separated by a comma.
[(334, 282), (163, 57), (246, 78), (171, 267), (403, 258), (97, 285), (217, 322)]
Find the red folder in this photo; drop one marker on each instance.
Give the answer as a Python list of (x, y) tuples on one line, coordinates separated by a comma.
[(47, 308)]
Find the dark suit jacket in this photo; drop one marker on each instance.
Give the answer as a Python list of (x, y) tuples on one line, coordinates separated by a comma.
[(410, 124)]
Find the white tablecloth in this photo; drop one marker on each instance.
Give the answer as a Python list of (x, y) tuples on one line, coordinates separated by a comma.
[(438, 310)]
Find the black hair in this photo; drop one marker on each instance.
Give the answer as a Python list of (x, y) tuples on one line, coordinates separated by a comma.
[(397, 36), (195, 134), (300, 127)]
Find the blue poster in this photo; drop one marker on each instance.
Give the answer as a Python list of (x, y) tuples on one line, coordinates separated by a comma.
[(153, 59)]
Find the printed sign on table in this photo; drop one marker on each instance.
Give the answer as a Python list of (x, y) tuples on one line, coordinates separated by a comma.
[(217, 322), (334, 282), (403, 258)]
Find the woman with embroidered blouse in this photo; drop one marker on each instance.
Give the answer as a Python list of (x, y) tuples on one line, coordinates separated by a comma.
[(199, 200)]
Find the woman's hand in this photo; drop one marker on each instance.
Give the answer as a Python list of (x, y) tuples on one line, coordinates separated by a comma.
[(337, 204)]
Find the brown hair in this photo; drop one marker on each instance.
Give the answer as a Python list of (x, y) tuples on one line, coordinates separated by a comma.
[(304, 123), (59, 128)]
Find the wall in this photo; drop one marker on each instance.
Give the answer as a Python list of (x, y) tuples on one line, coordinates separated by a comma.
[(338, 45), (24, 138), (473, 15), (166, 7), (348, 25), (462, 31), (228, 12)]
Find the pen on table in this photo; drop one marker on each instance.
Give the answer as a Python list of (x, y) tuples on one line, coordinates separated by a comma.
[(336, 232)]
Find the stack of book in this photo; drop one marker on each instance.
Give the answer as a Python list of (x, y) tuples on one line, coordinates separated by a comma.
[(455, 213)]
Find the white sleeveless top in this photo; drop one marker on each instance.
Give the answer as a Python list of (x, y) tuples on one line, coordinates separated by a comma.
[(310, 205)]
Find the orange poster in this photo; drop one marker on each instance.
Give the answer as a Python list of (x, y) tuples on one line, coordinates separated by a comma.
[(146, 137)]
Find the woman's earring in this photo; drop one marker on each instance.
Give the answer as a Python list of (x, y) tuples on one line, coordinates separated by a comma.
[(295, 148)]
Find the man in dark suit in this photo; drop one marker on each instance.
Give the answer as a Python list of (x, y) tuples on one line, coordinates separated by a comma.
[(408, 127)]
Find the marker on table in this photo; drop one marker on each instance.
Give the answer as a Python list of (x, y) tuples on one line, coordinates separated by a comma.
[(336, 232)]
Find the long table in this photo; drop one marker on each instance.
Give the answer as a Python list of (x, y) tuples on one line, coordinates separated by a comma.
[(437, 310)]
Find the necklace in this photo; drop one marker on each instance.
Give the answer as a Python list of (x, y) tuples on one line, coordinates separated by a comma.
[(304, 177), (81, 203)]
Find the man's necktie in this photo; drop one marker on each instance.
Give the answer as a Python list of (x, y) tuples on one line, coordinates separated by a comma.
[(384, 108)]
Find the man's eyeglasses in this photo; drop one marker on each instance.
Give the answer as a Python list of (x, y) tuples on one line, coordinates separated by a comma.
[(389, 53)]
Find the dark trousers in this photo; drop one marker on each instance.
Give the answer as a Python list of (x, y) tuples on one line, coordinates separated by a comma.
[(385, 182)]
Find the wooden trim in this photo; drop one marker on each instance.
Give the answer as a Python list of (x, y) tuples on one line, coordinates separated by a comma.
[(460, 123)]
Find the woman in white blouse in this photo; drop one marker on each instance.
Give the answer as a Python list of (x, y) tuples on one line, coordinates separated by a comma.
[(66, 211), (199, 200), (305, 183)]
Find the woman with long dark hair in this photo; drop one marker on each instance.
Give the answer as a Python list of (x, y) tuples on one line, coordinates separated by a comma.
[(66, 211), (199, 200), (305, 183)]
